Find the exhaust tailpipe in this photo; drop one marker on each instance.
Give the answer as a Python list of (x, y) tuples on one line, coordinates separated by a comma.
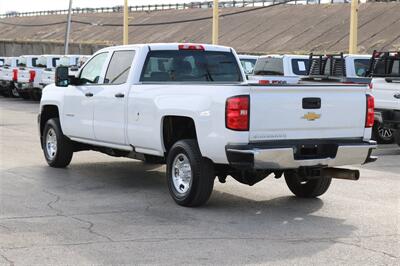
[(340, 173)]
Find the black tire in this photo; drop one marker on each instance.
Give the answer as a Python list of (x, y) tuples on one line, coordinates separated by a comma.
[(397, 136), (64, 148), (306, 189), (382, 135), (36, 94), (24, 95), (202, 174)]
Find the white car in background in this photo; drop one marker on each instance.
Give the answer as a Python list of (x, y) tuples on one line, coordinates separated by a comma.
[(279, 69), (248, 62), (8, 73)]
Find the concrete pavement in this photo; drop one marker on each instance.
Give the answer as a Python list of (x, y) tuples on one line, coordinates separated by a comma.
[(104, 210)]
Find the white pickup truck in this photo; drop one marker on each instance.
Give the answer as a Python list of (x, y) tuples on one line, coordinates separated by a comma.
[(385, 85), (8, 74), (25, 75), (279, 69), (189, 105)]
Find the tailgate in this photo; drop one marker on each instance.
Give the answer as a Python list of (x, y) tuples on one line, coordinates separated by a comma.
[(307, 112), (23, 75)]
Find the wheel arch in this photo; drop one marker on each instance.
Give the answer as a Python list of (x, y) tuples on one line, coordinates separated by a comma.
[(47, 112), (175, 128)]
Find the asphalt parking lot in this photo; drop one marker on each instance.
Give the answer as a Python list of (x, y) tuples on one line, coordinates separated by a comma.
[(104, 210)]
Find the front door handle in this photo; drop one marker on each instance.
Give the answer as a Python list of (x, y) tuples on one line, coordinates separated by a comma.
[(89, 94), (397, 96), (119, 95)]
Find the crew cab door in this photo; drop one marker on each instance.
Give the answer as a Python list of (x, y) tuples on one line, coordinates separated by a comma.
[(79, 99), (111, 100)]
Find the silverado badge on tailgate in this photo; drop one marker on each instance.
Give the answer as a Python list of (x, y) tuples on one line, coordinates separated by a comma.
[(311, 116)]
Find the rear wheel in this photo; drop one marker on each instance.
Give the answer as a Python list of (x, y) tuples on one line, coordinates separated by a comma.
[(306, 188), (190, 177), (57, 148)]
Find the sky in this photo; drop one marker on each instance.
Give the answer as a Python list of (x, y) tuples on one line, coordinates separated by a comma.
[(38, 5)]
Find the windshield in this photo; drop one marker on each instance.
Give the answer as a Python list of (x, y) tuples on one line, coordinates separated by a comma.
[(248, 65), (190, 66), (42, 61), (269, 66), (22, 62)]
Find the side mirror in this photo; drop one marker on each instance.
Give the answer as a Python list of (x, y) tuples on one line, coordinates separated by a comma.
[(62, 78)]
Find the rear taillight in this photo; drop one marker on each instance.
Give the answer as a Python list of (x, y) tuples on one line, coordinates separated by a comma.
[(369, 120), (15, 74), (237, 113), (191, 47), (32, 74)]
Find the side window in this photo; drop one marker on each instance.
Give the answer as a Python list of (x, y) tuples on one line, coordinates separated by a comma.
[(92, 70), (118, 69)]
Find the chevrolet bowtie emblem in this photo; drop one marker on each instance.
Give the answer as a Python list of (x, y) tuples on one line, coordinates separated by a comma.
[(311, 116)]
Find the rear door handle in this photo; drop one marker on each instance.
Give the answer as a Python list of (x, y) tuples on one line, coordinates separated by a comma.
[(119, 95), (89, 94)]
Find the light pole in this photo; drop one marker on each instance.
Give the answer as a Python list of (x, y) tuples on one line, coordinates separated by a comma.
[(353, 27), (125, 34), (68, 29), (215, 21)]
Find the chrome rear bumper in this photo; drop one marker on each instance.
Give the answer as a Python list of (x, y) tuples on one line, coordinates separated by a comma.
[(290, 157)]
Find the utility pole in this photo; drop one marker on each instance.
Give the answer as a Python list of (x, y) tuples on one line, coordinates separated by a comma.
[(215, 22), (353, 27), (126, 21), (67, 31)]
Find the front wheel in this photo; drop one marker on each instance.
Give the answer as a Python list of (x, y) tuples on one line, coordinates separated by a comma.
[(190, 177), (307, 188), (57, 148)]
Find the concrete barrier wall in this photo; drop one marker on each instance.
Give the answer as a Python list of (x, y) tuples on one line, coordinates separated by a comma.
[(17, 48), (280, 29)]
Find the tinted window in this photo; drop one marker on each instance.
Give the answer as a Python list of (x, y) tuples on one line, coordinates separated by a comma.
[(92, 70), (248, 65), (300, 66), (269, 66), (118, 69), (196, 66), (1, 62)]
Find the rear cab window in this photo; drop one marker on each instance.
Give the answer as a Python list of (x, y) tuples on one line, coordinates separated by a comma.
[(300, 66), (271, 66), (248, 65), (361, 67), (190, 66)]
